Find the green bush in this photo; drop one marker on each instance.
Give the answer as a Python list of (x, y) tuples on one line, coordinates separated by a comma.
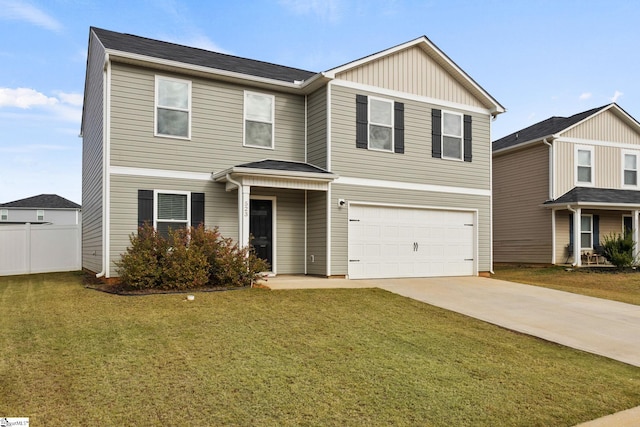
[(189, 259), (618, 249)]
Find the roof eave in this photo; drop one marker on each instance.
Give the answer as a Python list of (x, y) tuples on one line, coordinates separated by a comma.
[(525, 144), (273, 173)]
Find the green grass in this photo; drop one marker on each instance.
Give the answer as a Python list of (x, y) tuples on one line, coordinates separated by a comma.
[(603, 282), (362, 357)]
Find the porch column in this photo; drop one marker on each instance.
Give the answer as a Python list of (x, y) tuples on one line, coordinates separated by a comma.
[(577, 237), (244, 195), (634, 228), (553, 236)]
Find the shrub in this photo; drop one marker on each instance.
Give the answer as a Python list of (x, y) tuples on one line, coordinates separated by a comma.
[(618, 249), (189, 258)]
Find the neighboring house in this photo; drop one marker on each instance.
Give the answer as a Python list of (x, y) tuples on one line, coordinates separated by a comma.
[(378, 168), (41, 209), (564, 183)]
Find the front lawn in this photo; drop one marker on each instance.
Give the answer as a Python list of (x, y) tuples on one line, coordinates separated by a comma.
[(75, 356), (602, 282)]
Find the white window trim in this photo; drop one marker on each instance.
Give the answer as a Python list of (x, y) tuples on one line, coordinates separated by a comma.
[(39, 214), (575, 166), (622, 164), (370, 122), (442, 113), (4, 214), (584, 232), (155, 207), (187, 110), (272, 122)]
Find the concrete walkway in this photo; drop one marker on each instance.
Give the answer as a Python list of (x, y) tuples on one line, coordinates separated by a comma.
[(603, 327)]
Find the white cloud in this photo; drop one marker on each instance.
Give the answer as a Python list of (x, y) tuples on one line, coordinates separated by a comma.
[(585, 96), (616, 96), (75, 99), (325, 9), (64, 106), (23, 11), (24, 98)]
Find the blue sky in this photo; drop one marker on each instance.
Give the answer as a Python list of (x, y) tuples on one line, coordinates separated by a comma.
[(538, 58)]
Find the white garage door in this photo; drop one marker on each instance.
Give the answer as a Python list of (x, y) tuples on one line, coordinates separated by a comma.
[(387, 242)]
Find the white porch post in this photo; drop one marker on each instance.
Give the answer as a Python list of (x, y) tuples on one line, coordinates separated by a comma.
[(577, 237), (243, 232), (553, 236), (634, 228)]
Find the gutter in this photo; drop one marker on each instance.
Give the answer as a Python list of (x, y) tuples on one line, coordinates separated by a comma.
[(575, 238), (548, 144)]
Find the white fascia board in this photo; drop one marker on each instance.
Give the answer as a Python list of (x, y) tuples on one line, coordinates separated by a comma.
[(365, 182), (594, 205), (240, 171), (618, 111)]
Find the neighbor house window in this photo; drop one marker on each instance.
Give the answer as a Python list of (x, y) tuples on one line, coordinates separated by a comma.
[(380, 124), (40, 215), (173, 107), (4, 214), (258, 119), (586, 231), (630, 169), (584, 165), (171, 211), (452, 136)]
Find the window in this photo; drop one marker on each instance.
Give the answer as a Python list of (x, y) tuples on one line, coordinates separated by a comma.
[(452, 136), (40, 214), (173, 107), (586, 232), (172, 210), (627, 225), (629, 169), (4, 214), (380, 124), (584, 165), (258, 120)]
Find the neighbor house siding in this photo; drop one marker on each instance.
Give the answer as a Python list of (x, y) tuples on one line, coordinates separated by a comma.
[(216, 125), (92, 159), (339, 217), (413, 71), (521, 225), (53, 216), (416, 165), (317, 233), (605, 126), (317, 128)]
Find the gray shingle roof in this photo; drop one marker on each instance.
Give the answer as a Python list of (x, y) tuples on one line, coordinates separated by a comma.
[(282, 165), (42, 201), (541, 129), (191, 55), (598, 195)]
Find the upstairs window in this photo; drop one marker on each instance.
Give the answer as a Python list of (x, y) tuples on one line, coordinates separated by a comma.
[(258, 120), (40, 215), (380, 124), (172, 211), (4, 214), (584, 165), (630, 170), (173, 107), (452, 136)]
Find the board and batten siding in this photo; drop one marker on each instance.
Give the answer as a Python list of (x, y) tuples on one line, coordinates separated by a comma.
[(605, 126), (92, 159), (317, 233), (416, 165), (521, 225), (340, 219), (411, 70), (216, 125), (317, 128)]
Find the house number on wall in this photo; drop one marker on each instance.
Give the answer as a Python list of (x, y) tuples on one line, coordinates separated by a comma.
[(246, 208)]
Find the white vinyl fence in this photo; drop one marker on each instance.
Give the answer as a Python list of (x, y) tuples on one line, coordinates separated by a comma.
[(31, 248)]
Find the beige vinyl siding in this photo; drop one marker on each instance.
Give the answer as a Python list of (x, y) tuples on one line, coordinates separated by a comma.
[(216, 125), (562, 237), (92, 159), (416, 165), (605, 126), (221, 207), (413, 71), (317, 232), (339, 217), (521, 225), (289, 233), (317, 128)]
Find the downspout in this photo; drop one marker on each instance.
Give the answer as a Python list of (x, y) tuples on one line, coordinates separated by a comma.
[(553, 212), (548, 144), (575, 238), (237, 184), (105, 129)]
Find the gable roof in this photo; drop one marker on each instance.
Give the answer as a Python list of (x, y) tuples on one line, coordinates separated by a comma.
[(42, 201), (128, 43)]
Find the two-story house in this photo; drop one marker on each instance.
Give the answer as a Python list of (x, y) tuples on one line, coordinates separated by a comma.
[(41, 209), (564, 183), (377, 168)]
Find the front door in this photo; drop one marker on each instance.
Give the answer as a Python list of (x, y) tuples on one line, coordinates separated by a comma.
[(261, 228)]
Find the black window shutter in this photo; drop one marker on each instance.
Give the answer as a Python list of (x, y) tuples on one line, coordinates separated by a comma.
[(362, 121), (467, 138), (145, 207), (596, 232), (197, 209), (571, 233), (436, 133), (398, 127)]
